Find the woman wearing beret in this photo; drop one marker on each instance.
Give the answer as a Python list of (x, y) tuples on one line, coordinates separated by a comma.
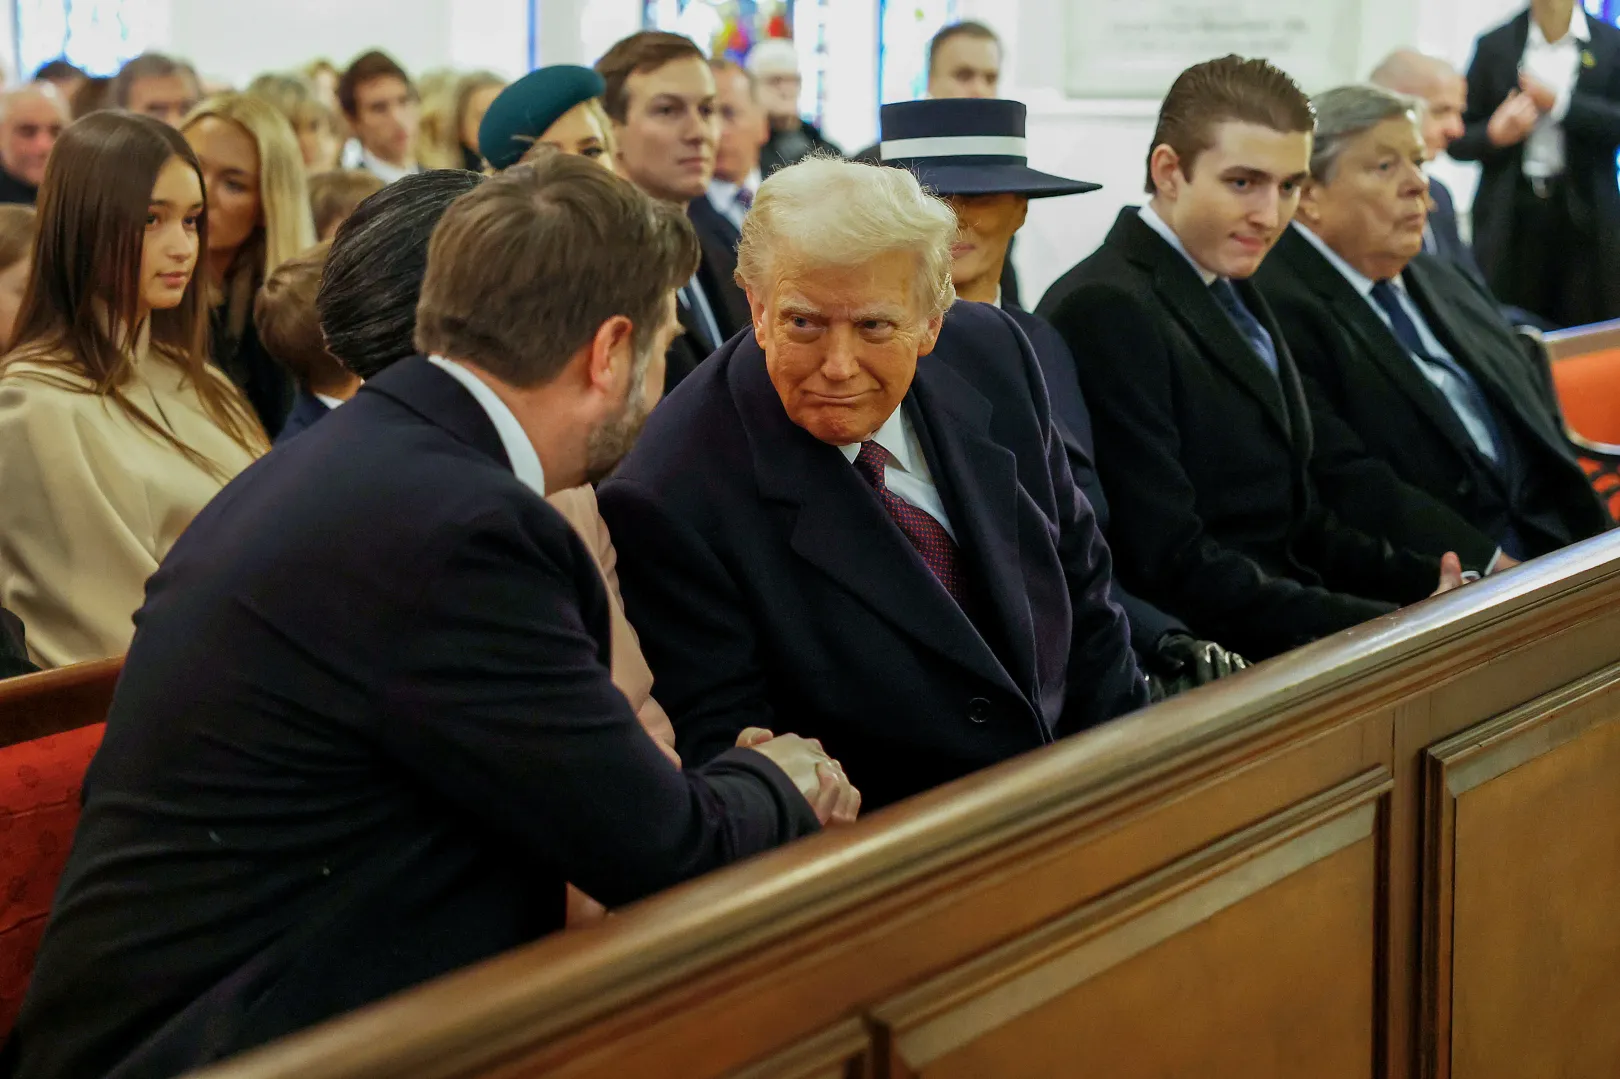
[(557, 107)]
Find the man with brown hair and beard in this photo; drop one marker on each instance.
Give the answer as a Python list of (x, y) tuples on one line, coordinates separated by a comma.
[(366, 729)]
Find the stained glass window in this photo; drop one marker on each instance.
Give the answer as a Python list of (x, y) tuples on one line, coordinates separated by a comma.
[(731, 27), (98, 35)]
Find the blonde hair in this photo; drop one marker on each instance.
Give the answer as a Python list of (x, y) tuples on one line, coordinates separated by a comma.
[(610, 146), (468, 85), (288, 227), (825, 211), (17, 230), (436, 135)]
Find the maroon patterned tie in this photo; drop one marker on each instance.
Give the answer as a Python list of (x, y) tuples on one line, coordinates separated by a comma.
[(935, 545)]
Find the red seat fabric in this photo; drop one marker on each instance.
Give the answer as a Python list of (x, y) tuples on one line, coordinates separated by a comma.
[(39, 808), (1589, 393)]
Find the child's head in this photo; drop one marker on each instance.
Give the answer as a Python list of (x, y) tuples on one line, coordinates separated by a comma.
[(16, 262), (290, 329)]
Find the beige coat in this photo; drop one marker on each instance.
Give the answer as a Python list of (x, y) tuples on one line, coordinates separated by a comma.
[(630, 671), (90, 502)]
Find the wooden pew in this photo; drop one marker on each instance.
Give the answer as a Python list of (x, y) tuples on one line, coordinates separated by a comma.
[(1393, 853)]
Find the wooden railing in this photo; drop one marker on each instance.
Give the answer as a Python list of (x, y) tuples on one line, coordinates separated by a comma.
[(50, 702), (1393, 853)]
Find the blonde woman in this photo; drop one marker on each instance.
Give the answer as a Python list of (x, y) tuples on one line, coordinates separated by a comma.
[(556, 108), (312, 121), (115, 430), (474, 95), (258, 218)]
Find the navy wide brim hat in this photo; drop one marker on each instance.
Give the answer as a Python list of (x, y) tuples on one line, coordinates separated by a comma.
[(967, 146), (523, 111)]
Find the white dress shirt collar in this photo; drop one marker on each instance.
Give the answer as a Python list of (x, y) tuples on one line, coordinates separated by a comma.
[(723, 196), (1360, 281), (899, 439), (520, 452), (1578, 30), (1151, 218), (328, 401), (381, 169)]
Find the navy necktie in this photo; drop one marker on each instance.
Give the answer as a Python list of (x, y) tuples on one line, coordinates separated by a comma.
[(1255, 334)]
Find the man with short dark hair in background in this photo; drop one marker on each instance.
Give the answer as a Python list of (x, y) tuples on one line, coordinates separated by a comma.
[(158, 86), (1204, 439), (661, 98), (1411, 353), (398, 737), (380, 102), (774, 63), (31, 118)]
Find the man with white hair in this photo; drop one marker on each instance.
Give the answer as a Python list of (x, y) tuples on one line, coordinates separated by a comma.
[(774, 64), (858, 522), (31, 117)]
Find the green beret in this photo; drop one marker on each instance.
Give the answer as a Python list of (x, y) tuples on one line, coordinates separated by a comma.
[(520, 115)]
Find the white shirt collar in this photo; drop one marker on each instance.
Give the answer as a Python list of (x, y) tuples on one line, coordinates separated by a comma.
[(1151, 218), (329, 402), (381, 169), (1578, 30), (897, 437), (1361, 282), (520, 452)]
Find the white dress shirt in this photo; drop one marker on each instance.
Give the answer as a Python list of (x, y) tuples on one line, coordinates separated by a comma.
[(1151, 218), (906, 473), (725, 197), (329, 402), (382, 170), (1558, 65), (520, 452)]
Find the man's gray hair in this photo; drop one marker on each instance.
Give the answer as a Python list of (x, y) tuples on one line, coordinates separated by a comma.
[(825, 211), (1346, 112)]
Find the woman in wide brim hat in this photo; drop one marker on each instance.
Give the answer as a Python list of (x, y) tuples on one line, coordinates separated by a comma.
[(971, 152), (553, 108)]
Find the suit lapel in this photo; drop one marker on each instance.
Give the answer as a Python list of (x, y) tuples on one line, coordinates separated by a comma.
[(838, 525), (1353, 312), (978, 482), (1187, 298), (1476, 353)]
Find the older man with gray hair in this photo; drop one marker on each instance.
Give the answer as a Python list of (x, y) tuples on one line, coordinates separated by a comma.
[(857, 522), (1412, 354), (31, 118)]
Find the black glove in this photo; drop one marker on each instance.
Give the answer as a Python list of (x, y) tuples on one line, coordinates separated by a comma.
[(1184, 662)]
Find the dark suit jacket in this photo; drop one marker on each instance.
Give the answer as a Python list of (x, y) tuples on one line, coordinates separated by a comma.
[(770, 588), (1591, 132), (14, 190), (727, 302), (365, 733), (307, 410), (787, 148), (1073, 422), (1448, 241), (1355, 367), (268, 386), (1205, 456)]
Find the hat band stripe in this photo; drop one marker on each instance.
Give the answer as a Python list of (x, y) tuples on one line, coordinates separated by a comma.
[(955, 146)]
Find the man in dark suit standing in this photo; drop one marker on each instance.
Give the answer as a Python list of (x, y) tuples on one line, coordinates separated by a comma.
[(1543, 120), (366, 730), (859, 522), (1409, 351), (661, 98), (1204, 441), (990, 196)]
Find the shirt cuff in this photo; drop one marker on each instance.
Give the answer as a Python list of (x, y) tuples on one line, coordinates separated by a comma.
[(1490, 567)]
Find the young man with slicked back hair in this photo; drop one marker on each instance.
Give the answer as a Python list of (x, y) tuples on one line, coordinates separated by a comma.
[(1203, 436)]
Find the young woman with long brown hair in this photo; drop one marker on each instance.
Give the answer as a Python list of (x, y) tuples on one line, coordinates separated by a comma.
[(115, 429)]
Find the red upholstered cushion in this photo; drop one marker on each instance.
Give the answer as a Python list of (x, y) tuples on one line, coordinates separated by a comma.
[(1589, 392), (39, 807)]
